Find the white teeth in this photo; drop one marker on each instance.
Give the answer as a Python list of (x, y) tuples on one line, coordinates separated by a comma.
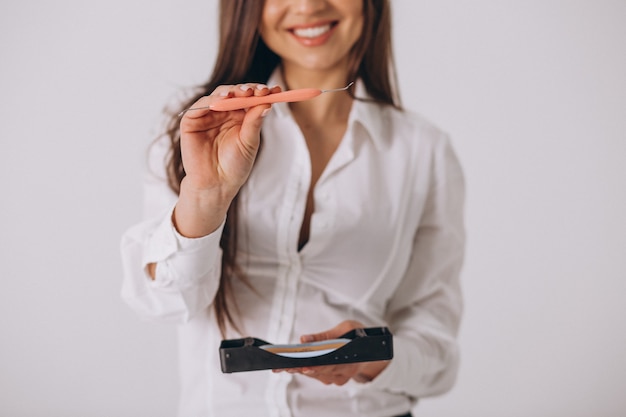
[(312, 32)]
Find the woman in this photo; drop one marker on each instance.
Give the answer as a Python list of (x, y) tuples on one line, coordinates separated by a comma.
[(301, 223)]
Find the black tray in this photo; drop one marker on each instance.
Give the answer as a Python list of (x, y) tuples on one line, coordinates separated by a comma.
[(366, 345)]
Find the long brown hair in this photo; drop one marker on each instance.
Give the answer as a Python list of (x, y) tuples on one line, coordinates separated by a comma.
[(371, 61)]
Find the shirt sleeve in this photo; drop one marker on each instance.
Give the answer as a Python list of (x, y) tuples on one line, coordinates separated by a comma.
[(424, 313), (187, 270)]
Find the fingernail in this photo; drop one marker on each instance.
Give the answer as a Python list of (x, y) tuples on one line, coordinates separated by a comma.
[(266, 111), (261, 86), (224, 93), (245, 87), (306, 338)]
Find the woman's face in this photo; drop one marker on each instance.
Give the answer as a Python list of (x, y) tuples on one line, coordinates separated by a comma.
[(312, 34)]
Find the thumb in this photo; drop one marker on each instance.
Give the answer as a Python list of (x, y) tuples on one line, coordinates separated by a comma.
[(334, 333), (252, 122), (308, 338)]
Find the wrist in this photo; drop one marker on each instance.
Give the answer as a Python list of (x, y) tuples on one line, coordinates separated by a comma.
[(199, 212), (370, 370)]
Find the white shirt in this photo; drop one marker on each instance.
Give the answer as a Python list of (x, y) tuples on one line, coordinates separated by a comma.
[(386, 247)]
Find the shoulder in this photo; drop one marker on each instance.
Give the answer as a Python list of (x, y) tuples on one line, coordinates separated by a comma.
[(417, 144), (407, 123), (406, 130)]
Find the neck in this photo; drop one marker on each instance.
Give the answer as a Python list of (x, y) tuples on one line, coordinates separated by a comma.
[(326, 108), (330, 108)]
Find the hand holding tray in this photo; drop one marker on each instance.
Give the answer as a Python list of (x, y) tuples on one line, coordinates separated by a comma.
[(358, 345)]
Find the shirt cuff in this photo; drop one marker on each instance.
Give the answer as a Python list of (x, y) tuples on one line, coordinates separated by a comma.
[(395, 377), (180, 259)]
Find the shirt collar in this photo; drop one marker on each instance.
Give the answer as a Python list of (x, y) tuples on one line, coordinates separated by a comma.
[(368, 114)]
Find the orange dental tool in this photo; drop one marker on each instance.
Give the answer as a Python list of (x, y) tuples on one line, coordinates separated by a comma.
[(289, 96)]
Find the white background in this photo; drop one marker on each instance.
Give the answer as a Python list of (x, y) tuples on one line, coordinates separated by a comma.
[(533, 93)]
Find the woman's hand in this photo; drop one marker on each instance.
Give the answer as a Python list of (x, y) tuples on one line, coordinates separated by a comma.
[(218, 148), (218, 151), (342, 373)]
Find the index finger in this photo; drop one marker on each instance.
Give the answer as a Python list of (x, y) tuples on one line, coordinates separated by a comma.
[(202, 106)]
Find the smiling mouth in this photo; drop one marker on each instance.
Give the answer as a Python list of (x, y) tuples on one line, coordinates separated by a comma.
[(313, 32)]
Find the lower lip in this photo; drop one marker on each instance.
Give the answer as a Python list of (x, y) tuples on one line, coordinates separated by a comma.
[(317, 41)]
